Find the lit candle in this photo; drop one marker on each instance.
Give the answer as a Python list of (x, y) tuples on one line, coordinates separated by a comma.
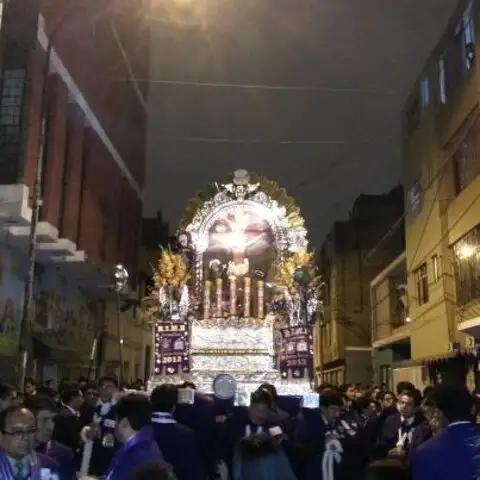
[(260, 298), (233, 295), (219, 297), (246, 299), (206, 299)]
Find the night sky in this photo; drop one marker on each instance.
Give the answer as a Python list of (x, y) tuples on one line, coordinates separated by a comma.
[(216, 104)]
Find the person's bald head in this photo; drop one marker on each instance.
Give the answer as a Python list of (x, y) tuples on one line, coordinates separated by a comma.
[(18, 428)]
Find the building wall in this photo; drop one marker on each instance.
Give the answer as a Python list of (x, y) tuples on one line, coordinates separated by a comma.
[(432, 136), (137, 341), (79, 161), (94, 122), (348, 267)]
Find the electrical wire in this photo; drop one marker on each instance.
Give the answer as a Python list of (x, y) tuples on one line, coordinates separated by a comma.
[(253, 86), (257, 141)]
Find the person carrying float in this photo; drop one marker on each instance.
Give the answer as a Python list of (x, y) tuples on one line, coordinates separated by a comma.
[(324, 449)]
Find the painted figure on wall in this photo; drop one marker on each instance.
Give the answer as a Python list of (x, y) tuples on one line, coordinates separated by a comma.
[(7, 325), (11, 294)]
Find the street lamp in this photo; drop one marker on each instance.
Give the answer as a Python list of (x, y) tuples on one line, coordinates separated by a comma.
[(120, 276)]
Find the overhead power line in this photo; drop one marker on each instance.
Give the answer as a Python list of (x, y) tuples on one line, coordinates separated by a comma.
[(256, 141), (252, 86)]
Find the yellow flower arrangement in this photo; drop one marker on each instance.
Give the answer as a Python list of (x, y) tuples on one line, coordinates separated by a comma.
[(171, 270), (286, 267)]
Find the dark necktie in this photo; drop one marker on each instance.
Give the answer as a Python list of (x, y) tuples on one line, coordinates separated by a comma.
[(406, 428), (19, 471)]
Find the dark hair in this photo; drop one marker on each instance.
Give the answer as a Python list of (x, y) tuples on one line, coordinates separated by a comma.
[(40, 402), (6, 390), (454, 401), (89, 386), (188, 385), (388, 392), (164, 398), (387, 470), (157, 470), (46, 391), (107, 379), (427, 390), (6, 413), (361, 404), (69, 392), (271, 389), (405, 386), (415, 395), (331, 398), (324, 387), (261, 397), (136, 408)]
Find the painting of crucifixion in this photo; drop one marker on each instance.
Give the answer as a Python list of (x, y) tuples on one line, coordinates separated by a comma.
[(240, 244)]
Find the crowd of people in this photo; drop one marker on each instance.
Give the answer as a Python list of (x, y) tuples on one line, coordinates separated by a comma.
[(356, 433)]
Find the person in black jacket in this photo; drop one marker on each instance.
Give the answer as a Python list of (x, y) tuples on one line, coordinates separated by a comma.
[(67, 423), (403, 432), (176, 441)]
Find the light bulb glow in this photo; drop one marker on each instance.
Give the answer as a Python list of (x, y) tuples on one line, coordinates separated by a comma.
[(466, 251)]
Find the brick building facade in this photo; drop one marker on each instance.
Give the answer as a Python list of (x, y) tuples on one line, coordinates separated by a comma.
[(94, 123)]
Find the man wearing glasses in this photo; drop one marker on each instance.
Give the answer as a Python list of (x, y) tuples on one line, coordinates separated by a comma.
[(45, 411), (18, 459)]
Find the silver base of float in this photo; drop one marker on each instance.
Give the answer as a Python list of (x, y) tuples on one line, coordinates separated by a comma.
[(240, 347), (246, 382)]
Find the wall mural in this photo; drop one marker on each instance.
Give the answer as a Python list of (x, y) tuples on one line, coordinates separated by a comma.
[(11, 302), (64, 318)]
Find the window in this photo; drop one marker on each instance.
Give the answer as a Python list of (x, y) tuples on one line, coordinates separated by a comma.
[(458, 58), (425, 91), (466, 163), (441, 81), (468, 39), (467, 267), (12, 97), (414, 198), (435, 269), (421, 281)]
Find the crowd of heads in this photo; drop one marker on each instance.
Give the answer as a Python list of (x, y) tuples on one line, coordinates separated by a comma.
[(441, 404)]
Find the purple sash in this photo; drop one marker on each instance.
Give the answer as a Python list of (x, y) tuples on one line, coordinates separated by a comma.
[(145, 434), (7, 473)]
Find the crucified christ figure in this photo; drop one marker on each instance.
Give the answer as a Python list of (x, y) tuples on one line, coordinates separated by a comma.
[(239, 235)]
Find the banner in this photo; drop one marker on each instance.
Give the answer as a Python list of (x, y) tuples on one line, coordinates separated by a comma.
[(296, 353), (172, 348)]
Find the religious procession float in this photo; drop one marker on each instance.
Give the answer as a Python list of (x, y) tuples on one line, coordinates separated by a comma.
[(238, 295)]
